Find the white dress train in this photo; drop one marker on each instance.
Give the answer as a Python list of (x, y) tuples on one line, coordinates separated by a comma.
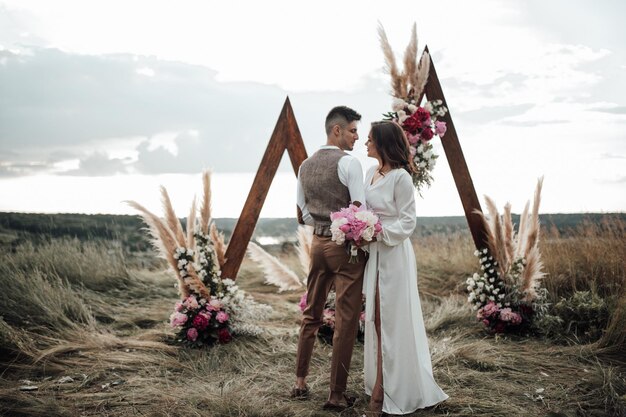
[(407, 370)]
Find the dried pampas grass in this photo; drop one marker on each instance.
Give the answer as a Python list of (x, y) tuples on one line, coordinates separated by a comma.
[(219, 245), (163, 240), (205, 209), (303, 248), (276, 273), (505, 246), (411, 81)]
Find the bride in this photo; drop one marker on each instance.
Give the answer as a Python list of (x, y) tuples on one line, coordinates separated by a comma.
[(398, 369)]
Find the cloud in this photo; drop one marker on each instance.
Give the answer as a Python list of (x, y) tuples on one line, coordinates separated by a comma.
[(609, 155), (533, 123), (493, 114), (612, 110), (80, 99), (99, 164)]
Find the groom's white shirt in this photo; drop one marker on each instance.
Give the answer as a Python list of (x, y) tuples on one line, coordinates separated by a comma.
[(350, 175)]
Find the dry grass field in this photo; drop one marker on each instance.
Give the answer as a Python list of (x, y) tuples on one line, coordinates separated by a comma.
[(84, 332)]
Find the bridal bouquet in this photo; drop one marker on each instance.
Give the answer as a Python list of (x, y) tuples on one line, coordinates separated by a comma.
[(420, 124), (507, 294), (354, 225)]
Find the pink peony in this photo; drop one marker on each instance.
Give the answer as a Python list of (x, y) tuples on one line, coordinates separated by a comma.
[(178, 306), (413, 139), (191, 303), (303, 301), (489, 310), (329, 318), (214, 305), (440, 128), (221, 316), (507, 315), (178, 319), (192, 334)]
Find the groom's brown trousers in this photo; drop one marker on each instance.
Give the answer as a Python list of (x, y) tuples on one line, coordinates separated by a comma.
[(329, 264)]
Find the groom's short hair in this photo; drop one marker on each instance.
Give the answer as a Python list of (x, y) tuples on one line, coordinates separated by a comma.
[(342, 116)]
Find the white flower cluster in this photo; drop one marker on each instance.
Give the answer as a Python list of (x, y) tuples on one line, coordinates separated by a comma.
[(436, 109), (425, 156), (486, 287), (185, 258), (338, 235)]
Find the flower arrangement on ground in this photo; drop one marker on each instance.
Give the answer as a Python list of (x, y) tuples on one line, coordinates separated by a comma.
[(420, 124), (353, 226), (212, 309), (507, 294)]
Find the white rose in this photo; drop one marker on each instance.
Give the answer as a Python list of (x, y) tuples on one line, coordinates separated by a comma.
[(412, 108), (397, 104), (428, 107), (401, 114)]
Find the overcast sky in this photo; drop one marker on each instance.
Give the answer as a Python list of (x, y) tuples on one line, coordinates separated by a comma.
[(130, 94)]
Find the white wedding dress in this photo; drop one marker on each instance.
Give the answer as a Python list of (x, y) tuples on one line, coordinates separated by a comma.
[(407, 370)]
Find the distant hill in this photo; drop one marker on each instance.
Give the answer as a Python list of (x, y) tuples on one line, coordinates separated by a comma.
[(16, 228)]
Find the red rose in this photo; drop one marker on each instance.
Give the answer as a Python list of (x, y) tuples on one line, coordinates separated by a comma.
[(422, 115), (224, 335), (427, 134), (412, 124)]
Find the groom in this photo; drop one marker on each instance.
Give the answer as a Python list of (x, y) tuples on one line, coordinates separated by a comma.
[(327, 181)]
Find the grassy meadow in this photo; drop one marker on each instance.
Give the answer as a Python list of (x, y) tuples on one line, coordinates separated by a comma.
[(84, 329)]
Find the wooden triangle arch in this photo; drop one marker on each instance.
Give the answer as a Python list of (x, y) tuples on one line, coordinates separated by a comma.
[(286, 136)]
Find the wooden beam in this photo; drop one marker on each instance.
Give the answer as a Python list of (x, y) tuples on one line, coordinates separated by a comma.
[(286, 137), (456, 160)]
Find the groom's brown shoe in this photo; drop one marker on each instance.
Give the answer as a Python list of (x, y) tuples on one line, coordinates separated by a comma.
[(300, 393)]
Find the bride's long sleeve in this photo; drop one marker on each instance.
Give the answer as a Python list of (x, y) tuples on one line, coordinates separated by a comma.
[(397, 231)]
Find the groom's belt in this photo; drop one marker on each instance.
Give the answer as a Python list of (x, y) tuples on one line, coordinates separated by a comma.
[(322, 230)]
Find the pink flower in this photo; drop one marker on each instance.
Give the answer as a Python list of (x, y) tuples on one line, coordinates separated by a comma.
[(345, 228), (490, 310), (440, 128), (362, 316), (413, 150), (480, 313), (486, 322), (413, 139), (191, 303), (178, 306), (303, 301), (221, 316), (178, 319), (192, 334), (329, 318), (507, 315), (214, 305)]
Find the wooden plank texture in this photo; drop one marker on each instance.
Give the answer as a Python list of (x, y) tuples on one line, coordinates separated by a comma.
[(286, 137)]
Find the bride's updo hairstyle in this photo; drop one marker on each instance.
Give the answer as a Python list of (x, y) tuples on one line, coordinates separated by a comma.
[(392, 145)]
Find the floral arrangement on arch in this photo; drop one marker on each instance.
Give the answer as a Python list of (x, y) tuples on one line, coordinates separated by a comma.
[(507, 294), (278, 274), (212, 309), (420, 123)]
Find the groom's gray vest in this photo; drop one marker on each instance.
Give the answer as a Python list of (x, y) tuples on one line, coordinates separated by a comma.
[(323, 191)]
